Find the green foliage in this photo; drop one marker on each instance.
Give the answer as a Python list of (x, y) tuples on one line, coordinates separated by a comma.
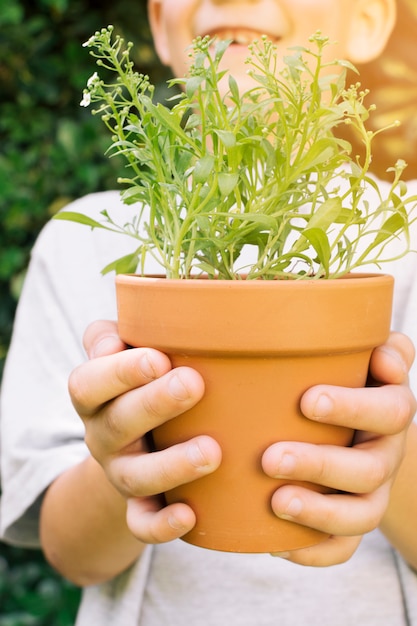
[(31, 593), (264, 168), (51, 151)]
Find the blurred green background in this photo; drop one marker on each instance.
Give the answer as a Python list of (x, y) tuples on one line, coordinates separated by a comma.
[(51, 151)]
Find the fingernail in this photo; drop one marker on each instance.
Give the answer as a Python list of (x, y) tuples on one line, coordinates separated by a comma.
[(281, 555), (196, 456), (393, 354), (324, 406), (175, 524), (177, 388), (146, 367), (286, 466), (293, 509)]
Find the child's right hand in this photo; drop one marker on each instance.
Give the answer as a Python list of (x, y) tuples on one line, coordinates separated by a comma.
[(121, 394)]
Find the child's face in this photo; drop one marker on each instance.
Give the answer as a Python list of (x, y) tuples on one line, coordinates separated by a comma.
[(288, 22)]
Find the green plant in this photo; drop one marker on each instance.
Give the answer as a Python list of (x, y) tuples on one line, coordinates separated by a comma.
[(261, 169)]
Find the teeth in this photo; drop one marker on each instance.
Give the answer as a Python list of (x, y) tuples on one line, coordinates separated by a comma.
[(244, 41), (240, 37)]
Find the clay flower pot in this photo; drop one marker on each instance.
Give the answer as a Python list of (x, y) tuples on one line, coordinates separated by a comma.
[(258, 345)]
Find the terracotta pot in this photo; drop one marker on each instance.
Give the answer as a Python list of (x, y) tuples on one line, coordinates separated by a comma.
[(258, 345)]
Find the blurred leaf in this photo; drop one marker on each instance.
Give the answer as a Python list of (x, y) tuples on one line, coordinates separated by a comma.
[(11, 13)]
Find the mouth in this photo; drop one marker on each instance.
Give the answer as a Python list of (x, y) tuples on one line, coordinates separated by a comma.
[(240, 36)]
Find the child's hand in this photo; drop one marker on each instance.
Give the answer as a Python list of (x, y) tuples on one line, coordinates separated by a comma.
[(122, 394), (363, 474)]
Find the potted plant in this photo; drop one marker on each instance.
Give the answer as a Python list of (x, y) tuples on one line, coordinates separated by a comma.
[(251, 199)]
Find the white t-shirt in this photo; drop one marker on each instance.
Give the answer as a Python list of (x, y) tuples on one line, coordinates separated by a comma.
[(172, 584)]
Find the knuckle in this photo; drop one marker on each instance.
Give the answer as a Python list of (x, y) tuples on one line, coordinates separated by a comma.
[(374, 506), (378, 474), (127, 487), (164, 477), (323, 471), (125, 370), (142, 477), (151, 403), (345, 548), (95, 444), (127, 482), (112, 422), (172, 468), (90, 442)]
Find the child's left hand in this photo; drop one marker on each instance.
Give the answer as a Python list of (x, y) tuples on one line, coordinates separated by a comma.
[(362, 475)]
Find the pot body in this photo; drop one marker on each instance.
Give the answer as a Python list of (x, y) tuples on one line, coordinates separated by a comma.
[(259, 345)]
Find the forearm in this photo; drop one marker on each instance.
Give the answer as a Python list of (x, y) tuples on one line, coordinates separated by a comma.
[(83, 526), (400, 520)]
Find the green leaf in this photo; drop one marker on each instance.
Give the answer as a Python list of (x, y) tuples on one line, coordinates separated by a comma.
[(170, 120), (234, 88), (392, 225), (221, 47), (203, 223), (80, 218), (266, 221), (227, 183), (320, 243), (227, 138), (203, 168), (125, 265), (321, 151), (192, 85), (133, 194), (350, 216), (328, 213), (193, 121)]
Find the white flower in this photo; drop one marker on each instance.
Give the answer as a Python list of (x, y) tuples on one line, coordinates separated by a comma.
[(90, 42), (85, 102), (94, 78)]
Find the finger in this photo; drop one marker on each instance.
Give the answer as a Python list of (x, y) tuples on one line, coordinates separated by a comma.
[(391, 362), (361, 469), (150, 523), (130, 416), (143, 475), (101, 339), (385, 410), (331, 551), (94, 383), (335, 514)]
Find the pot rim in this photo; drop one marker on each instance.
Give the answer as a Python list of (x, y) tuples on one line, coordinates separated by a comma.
[(246, 317), (204, 282)]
